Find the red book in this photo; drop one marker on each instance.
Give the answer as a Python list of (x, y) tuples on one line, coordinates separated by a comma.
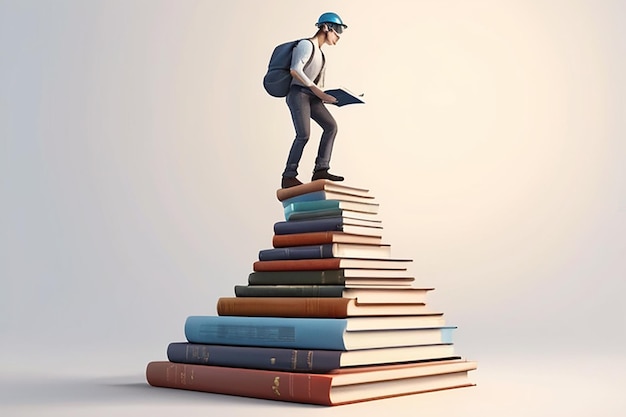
[(329, 263), (320, 238), (312, 307), (336, 387)]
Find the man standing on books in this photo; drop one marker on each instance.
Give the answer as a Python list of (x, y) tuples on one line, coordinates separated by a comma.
[(306, 100)]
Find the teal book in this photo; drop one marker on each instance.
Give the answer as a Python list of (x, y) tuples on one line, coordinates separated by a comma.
[(328, 195), (320, 204), (307, 333)]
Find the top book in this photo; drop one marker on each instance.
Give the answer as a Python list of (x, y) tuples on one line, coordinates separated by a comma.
[(321, 185)]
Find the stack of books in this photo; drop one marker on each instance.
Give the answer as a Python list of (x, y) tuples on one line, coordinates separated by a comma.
[(327, 316)]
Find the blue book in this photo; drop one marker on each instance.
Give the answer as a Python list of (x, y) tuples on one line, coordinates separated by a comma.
[(316, 205), (307, 333), (300, 360), (327, 195), (326, 224), (334, 212), (328, 250)]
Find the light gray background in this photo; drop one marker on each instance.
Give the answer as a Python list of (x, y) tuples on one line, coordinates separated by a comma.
[(139, 157)]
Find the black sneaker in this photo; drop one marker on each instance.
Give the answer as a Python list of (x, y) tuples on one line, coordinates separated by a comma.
[(323, 174), (288, 182)]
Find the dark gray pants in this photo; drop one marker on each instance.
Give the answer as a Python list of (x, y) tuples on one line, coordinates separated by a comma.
[(304, 105)]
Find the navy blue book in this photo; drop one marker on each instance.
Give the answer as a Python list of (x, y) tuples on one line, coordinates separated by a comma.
[(326, 224), (304, 333), (344, 96), (300, 360), (329, 250)]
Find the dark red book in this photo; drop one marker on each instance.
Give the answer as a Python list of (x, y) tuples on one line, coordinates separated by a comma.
[(341, 386)]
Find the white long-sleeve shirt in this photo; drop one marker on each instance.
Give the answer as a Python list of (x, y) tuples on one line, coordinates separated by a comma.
[(300, 56)]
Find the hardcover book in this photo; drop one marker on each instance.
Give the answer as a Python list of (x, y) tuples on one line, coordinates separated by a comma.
[(341, 386), (345, 96), (307, 206), (328, 195), (304, 333), (329, 250), (321, 238), (329, 263), (367, 295), (324, 307), (320, 185), (301, 360), (343, 277), (333, 212), (328, 224)]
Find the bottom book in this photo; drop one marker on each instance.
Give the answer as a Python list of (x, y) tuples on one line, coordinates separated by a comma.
[(334, 388)]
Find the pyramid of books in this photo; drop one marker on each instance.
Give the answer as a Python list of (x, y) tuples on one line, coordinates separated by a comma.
[(327, 316)]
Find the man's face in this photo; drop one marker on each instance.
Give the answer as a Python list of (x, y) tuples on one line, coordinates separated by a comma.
[(333, 34)]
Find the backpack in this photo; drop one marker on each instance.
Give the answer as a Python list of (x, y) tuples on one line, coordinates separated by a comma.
[(277, 80)]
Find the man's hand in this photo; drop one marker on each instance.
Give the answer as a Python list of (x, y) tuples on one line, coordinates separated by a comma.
[(326, 98)]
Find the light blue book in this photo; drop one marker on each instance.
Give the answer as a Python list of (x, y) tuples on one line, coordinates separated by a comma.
[(309, 333), (327, 195)]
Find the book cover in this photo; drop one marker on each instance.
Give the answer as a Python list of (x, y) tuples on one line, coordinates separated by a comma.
[(301, 360), (321, 238), (342, 386), (330, 250), (320, 185), (323, 307), (303, 333), (304, 206), (329, 263), (345, 97), (368, 295), (328, 195), (329, 224)]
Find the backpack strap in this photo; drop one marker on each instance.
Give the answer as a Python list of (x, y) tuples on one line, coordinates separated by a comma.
[(321, 73)]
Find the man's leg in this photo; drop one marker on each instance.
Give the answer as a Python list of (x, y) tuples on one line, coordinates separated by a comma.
[(300, 108), (327, 122)]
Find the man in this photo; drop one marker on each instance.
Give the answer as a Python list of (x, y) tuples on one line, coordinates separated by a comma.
[(306, 100)]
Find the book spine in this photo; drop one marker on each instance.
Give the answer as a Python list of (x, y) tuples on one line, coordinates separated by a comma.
[(297, 207), (297, 252), (277, 359), (327, 224), (298, 333), (289, 290), (314, 196), (283, 194), (323, 277), (297, 265), (283, 307), (255, 383), (313, 214), (302, 239)]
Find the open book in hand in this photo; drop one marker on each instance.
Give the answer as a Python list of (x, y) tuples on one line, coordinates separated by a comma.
[(345, 96)]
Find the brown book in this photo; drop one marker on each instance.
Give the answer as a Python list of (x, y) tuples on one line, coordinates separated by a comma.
[(320, 238), (322, 307), (337, 387), (321, 185), (329, 263)]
